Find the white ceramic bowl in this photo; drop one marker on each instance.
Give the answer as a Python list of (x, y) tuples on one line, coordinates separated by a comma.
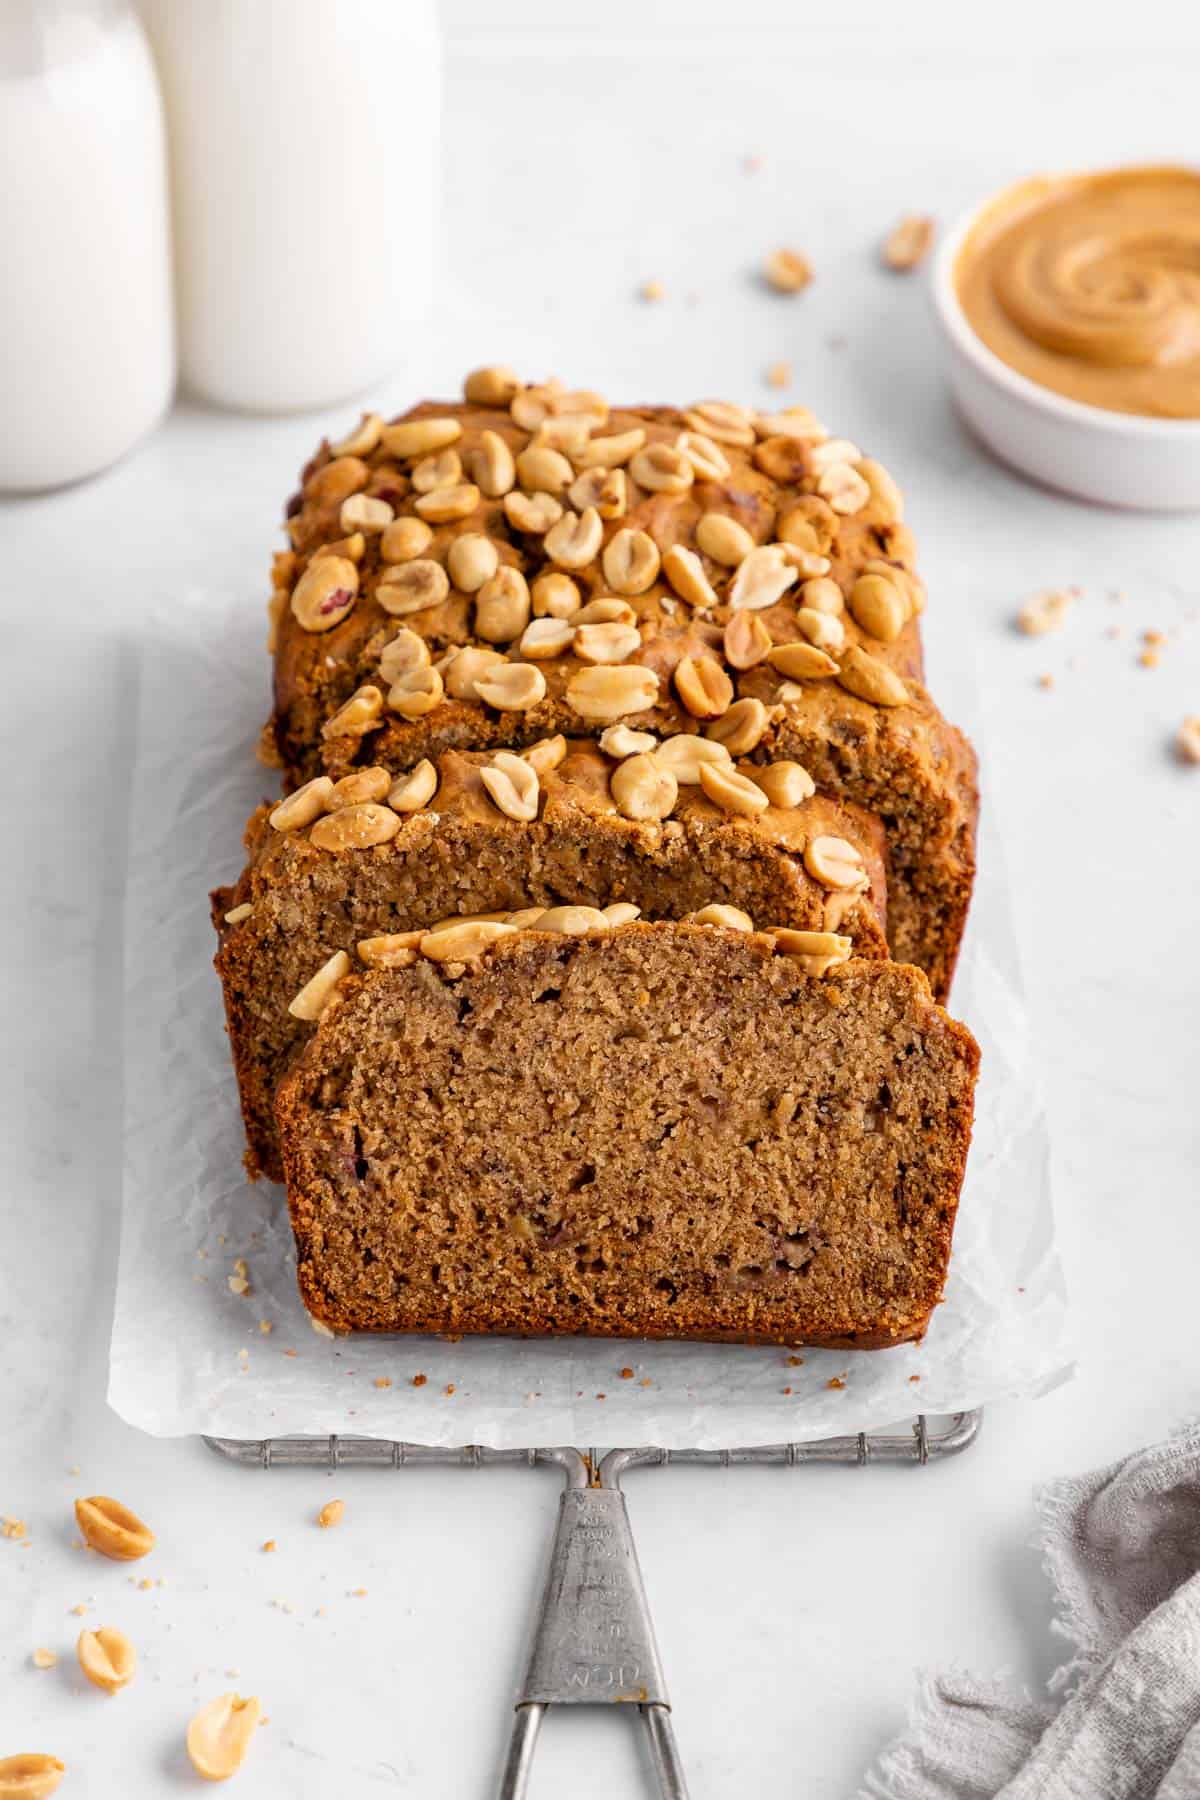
[(1119, 459)]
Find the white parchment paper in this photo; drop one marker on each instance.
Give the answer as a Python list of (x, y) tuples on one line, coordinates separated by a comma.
[(188, 1355)]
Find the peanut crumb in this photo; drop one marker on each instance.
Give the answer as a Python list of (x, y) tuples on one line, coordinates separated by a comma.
[(1046, 611), (270, 1544), (1149, 659), (1046, 682), (266, 1327), (645, 1382), (383, 1381), (450, 1388), (835, 1381), (419, 1380), (627, 1374), (145, 1584), (43, 1659), (1154, 638), (291, 1353), (787, 1390), (79, 1610), (779, 374), (13, 1528), (358, 1593), (331, 1513), (239, 1285), (914, 1378), (652, 291)]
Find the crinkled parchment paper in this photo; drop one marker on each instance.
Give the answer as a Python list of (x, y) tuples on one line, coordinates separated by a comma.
[(190, 1355)]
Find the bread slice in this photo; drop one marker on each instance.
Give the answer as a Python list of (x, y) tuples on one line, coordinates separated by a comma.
[(297, 903), (661, 1130), (840, 675)]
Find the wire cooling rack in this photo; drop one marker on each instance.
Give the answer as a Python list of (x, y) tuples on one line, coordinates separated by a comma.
[(593, 1643)]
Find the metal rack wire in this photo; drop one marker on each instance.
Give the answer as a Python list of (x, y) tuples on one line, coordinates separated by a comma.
[(594, 1643)]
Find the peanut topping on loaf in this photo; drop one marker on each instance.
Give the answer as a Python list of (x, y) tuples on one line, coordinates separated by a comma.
[(553, 565)]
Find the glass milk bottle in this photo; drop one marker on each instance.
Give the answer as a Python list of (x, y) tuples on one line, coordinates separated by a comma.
[(303, 139), (87, 356)]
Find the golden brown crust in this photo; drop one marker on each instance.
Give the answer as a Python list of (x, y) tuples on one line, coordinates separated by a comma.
[(663, 1130), (903, 761), (460, 854)]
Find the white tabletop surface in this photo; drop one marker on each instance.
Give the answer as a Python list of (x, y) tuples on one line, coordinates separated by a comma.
[(792, 1608)]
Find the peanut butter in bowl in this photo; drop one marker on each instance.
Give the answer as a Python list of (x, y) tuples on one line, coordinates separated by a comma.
[(1089, 285)]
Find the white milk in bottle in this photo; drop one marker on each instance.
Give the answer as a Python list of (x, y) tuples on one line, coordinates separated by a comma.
[(303, 139), (87, 360)]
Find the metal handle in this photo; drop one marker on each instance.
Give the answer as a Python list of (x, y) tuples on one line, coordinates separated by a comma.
[(594, 1641)]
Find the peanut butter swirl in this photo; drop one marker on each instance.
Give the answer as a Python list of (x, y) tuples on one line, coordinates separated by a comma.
[(1090, 285)]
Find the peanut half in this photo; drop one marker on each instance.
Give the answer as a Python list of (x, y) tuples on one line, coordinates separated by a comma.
[(642, 788), (30, 1777), (732, 791), (112, 1529), (220, 1735), (319, 990), (835, 862), (607, 694), (513, 785), (107, 1658)]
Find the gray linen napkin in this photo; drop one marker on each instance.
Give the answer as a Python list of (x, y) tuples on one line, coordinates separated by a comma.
[(1122, 1550)]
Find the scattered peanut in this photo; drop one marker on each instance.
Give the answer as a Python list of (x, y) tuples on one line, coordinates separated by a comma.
[(220, 1735), (112, 1529), (30, 1777), (787, 271), (908, 242), (107, 1658)]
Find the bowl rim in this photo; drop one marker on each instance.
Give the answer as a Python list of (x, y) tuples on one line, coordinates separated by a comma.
[(962, 335)]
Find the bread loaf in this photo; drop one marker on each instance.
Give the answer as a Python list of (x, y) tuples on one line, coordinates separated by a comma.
[(657, 1129), (527, 562)]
